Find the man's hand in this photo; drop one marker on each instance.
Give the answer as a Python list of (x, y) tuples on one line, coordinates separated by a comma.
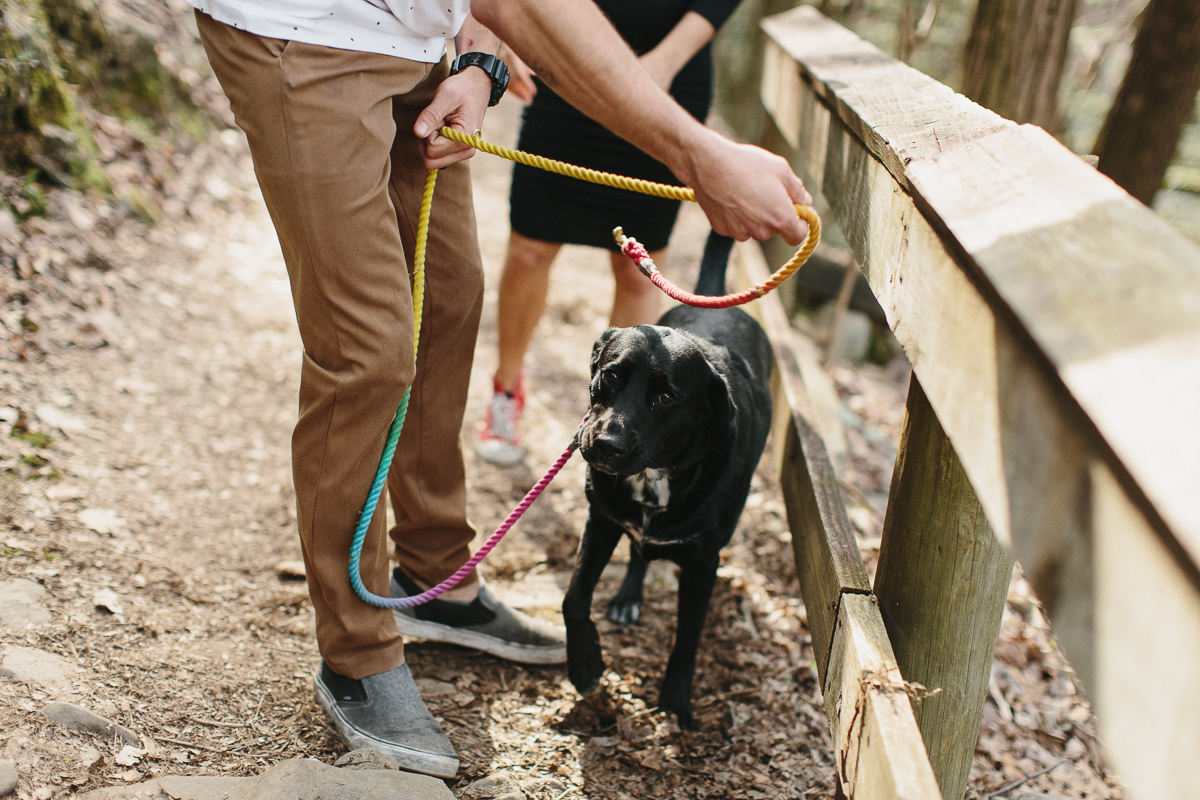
[(460, 103), (747, 192)]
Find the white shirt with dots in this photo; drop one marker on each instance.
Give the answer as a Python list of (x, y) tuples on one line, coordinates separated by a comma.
[(412, 29)]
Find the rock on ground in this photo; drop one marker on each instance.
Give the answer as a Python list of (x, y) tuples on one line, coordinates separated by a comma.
[(39, 667), (8, 778), (500, 785), (294, 779), (366, 758), (21, 604), (77, 718)]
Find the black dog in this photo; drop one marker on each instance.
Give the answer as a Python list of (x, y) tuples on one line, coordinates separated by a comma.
[(679, 418)]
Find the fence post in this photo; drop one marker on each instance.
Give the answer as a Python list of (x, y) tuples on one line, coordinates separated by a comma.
[(941, 582)]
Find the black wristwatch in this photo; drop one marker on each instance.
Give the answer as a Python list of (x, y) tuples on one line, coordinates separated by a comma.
[(496, 69)]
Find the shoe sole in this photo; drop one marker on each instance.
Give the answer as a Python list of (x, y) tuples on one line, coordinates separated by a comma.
[(500, 459), (509, 651), (409, 759)]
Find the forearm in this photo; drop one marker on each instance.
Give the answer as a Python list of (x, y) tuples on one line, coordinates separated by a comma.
[(570, 44), (474, 37), (745, 191), (686, 39)]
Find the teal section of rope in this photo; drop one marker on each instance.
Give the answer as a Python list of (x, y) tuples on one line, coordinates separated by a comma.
[(368, 512), (389, 449)]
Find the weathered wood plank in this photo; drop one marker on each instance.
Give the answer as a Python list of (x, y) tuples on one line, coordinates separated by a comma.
[(1026, 449), (1072, 264), (1036, 336), (941, 582), (878, 746), (1021, 448), (879, 749), (1148, 647), (828, 562)]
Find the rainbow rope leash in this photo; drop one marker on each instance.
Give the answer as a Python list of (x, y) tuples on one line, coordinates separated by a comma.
[(628, 246)]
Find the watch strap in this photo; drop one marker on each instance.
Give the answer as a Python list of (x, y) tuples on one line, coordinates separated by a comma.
[(496, 69)]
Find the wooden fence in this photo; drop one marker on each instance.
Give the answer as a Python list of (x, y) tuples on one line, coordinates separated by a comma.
[(1053, 325)]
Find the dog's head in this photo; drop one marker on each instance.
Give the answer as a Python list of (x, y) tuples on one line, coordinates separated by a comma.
[(657, 402)]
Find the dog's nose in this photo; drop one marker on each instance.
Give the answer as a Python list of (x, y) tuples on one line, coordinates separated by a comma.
[(607, 446)]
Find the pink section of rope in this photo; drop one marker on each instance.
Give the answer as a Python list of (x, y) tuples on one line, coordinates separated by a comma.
[(494, 539)]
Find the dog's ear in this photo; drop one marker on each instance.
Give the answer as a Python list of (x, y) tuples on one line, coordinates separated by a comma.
[(722, 407), (598, 348)]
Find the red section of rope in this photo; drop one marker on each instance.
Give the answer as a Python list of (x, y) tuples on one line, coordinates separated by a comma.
[(635, 251)]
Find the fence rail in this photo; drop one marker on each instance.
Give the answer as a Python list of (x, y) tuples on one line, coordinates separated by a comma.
[(1053, 324)]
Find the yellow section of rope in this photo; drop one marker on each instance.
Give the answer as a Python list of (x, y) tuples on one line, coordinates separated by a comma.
[(562, 168), (594, 176), (645, 187), (418, 280)]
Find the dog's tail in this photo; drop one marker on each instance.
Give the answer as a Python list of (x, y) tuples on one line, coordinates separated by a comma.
[(711, 281)]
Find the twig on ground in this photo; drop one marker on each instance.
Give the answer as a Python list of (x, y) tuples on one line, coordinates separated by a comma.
[(1009, 787), (214, 723), (182, 743)]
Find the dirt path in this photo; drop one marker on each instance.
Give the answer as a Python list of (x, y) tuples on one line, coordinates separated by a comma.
[(147, 507)]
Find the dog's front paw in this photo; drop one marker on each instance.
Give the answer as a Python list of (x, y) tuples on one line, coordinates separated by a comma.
[(624, 612), (585, 664), (681, 707)]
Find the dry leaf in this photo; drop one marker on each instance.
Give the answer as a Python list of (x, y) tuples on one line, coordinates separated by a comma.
[(129, 756), (110, 601), (101, 520)]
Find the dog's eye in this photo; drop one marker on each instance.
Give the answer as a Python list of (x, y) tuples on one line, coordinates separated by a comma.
[(666, 398), (609, 376)]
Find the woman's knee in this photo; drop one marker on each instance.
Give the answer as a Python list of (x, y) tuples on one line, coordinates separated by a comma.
[(529, 257)]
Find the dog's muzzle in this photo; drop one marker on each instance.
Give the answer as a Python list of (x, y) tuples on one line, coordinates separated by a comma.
[(609, 448)]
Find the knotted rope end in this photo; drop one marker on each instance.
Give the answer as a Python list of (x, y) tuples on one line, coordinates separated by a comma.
[(635, 251)]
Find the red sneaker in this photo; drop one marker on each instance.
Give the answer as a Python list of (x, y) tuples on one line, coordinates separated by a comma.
[(498, 442)]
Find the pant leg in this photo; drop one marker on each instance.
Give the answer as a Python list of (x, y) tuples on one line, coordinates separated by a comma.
[(428, 479), (321, 131)]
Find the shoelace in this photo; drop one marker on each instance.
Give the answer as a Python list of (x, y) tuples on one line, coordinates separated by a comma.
[(504, 417)]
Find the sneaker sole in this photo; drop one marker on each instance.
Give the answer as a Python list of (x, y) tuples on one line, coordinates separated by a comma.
[(509, 651), (409, 759), (500, 457)]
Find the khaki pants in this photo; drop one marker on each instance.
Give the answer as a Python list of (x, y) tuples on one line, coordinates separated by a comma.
[(330, 132)]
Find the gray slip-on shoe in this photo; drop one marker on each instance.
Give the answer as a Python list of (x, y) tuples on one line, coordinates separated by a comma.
[(385, 711), (485, 624)]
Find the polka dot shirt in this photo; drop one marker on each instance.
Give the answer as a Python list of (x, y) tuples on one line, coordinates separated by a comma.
[(412, 29)]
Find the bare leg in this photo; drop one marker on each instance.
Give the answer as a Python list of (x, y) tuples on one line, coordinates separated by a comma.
[(523, 286), (635, 300)]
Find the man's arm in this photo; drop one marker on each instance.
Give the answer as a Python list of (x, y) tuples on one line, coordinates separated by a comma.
[(745, 191)]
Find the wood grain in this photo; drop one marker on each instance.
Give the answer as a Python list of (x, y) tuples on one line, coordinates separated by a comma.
[(1053, 325), (942, 581), (1060, 253), (878, 746)]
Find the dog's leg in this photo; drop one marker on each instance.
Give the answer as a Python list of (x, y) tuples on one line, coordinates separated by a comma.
[(585, 664), (696, 581), (626, 606)]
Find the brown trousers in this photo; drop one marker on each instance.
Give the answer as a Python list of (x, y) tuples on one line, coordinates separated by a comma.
[(330, 132)]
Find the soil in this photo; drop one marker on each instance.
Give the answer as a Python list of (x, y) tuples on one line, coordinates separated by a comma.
[(148, 388)]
